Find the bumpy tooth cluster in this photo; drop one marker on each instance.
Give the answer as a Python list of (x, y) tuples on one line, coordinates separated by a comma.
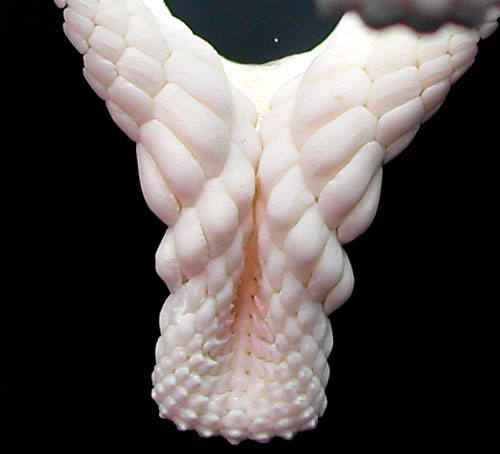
[(421, 15), (254, 274)]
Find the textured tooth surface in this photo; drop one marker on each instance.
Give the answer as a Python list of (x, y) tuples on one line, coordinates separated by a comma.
[(253, 255)]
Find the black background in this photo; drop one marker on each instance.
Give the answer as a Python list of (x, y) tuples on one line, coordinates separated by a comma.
[(79, 311)]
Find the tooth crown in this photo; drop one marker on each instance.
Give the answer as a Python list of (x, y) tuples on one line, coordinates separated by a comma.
[(253, 254)]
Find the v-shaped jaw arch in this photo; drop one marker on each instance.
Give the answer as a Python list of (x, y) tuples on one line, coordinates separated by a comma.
[(257, 220), (259, 82)]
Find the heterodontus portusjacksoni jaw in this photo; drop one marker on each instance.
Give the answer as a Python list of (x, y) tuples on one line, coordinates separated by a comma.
[(258, 201)]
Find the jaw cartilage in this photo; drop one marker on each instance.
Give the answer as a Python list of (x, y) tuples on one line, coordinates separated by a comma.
[(262, 174)]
